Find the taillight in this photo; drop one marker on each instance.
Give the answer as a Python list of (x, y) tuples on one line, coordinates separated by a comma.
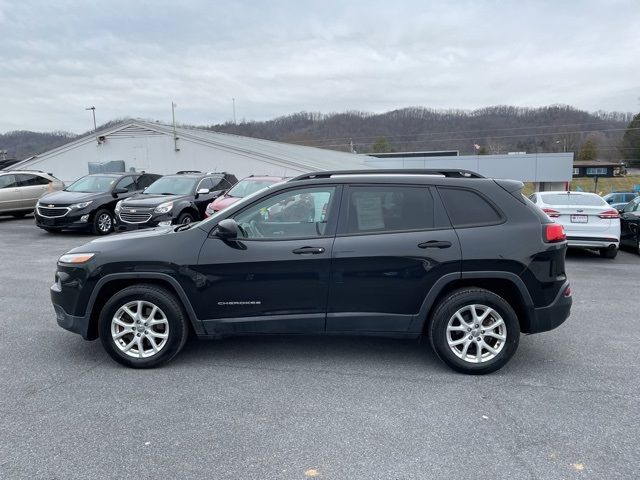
[(554, 232), (609, 214), (551, 212)]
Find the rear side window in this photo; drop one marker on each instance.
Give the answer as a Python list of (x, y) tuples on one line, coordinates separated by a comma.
[(467, 208), (145, 180), (128, 183), (8, 181), (32, 180), (384, 208)]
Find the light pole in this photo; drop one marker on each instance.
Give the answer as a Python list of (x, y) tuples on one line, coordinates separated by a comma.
[(564, 144), (93, 110)]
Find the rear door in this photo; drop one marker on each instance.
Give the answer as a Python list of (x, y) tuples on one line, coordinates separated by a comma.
[(32, 187), (393, 243), (10, 195)]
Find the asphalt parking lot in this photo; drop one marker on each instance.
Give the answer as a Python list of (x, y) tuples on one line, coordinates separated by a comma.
[(566, 406)]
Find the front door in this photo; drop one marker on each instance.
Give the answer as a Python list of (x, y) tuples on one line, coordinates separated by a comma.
[(393, 244), (274, 279), (629, 222)]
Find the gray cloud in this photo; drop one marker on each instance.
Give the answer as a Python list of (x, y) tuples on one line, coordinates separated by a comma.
[(133, 58)]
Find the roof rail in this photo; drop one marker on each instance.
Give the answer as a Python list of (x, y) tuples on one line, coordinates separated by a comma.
[(184, 172), (445, 172)]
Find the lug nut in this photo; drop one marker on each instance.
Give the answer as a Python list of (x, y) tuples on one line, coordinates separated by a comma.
[(137, 334), (468, 329), (470, 337), (481, 331), (477, 326)]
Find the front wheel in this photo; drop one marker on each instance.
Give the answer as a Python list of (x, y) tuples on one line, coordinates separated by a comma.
[(143, 326), (474, 331), (185, 218), (102, 223)]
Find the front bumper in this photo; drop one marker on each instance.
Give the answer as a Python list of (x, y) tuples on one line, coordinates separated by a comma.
[(552, 316), (79, 325), (71, 221)]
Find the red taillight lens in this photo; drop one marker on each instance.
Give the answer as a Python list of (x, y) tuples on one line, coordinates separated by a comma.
[(551, 212), (554, 232), (609, 214)]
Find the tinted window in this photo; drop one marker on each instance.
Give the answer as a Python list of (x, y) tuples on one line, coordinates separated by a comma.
[(632, 206), (573, 199), (206, 183), (384, 208), (221, 183), (300, 213), (128, 183), (248, 186), (28, 180), (145, 180), (8, 181), (468, 208)]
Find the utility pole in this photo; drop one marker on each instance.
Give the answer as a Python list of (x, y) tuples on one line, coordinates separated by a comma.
[(234, 110), (175, 136), (93, 110), (564, 143)]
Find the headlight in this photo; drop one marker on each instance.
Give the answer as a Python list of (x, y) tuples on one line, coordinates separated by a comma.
[(164, 207), (118, 206), (76, 258), (81, 205)]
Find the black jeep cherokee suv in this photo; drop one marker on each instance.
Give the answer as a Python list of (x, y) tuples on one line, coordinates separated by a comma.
[(89, 203), (174, 199), (464, 260)]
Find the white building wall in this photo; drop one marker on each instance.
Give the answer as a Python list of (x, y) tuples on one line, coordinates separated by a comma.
[(155, 153)]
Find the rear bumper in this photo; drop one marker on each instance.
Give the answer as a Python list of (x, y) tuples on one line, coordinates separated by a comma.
[(553, 315), (592, 242)]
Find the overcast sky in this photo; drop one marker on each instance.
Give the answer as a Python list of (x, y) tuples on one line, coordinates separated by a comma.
[(132, 58)]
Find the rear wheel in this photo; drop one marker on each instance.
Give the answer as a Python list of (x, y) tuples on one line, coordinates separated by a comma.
[(143, 326), (102, 223), (474, 331), (608, 252)]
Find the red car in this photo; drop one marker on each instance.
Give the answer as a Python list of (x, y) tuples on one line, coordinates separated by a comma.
[(243, 188)]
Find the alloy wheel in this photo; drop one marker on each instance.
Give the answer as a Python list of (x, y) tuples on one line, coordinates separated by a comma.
[(140, 329), (476, 333), (104, 222)]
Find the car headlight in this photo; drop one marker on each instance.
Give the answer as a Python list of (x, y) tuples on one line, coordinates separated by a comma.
[(164, 207), (81, 205), (118, 206), (76, 258)]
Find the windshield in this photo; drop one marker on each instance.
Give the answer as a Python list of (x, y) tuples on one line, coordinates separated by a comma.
[(573, 199), (93, 184), (248, 186), (171, 186)]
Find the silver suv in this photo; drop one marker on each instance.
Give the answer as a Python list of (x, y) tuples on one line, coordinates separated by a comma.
[(21, 189)]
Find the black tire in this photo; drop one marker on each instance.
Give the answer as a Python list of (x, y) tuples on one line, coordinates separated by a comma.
[(608, 252), (185, 218), (444, 312), (102, 222), (167, 303)]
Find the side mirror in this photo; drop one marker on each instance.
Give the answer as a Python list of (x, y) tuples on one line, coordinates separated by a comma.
[(119, 191), (203, 191), (227, 229), (620, 208)]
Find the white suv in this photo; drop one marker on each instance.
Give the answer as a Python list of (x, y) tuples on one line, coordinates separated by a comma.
[(588, 220), (21, 189)]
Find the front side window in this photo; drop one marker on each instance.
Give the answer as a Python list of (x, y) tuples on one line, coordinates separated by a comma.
[(128, 183), (300, 213), (382, 208), (145, 180), (632, 206), (93, 184)]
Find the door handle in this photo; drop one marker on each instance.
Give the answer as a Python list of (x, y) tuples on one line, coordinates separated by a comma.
[(435, 244), (308, 250)]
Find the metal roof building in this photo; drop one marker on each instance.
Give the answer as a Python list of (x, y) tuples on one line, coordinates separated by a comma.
[(141, 145)]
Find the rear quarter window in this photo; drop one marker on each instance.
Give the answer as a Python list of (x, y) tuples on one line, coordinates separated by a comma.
[(467, 208)]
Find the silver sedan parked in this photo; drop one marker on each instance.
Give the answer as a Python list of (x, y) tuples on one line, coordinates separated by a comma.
[(21, 189), (588, 220)]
